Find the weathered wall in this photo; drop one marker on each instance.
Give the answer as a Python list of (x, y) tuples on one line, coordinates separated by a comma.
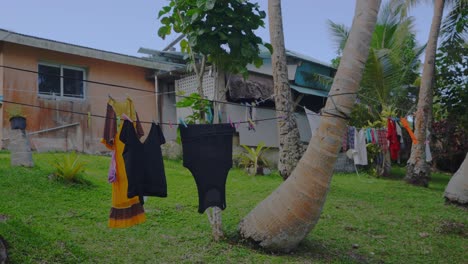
[(19, 86), (1, 94)]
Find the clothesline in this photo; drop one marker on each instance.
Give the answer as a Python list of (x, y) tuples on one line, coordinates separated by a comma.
[(184, 96), (145, 122), (247, 106), (175, 92)]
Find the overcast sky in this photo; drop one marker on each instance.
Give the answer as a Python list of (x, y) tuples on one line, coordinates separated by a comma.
[(123, 26)]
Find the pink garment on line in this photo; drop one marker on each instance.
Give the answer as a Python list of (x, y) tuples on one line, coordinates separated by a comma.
[(111, 177)]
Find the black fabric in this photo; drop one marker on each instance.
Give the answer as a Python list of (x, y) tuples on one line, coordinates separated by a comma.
[(143, 161), (207, 153)]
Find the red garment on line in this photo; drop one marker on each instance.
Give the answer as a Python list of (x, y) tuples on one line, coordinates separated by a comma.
[(373, 136), (393, 139)]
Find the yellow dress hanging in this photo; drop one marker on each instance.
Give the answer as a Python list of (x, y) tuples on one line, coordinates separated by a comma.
[(125, 212)]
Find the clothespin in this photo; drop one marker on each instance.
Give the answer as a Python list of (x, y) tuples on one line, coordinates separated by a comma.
[(238, 124), (170, 124), (208, 114), (89, 119), (182, 122), (230, 121), (251, 123)]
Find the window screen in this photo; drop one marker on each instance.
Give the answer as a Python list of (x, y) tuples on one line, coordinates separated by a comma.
[(49, 80), (61, 81), (73, 83)]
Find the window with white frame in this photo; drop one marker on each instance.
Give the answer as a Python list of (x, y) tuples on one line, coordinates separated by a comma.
[(61, 81)]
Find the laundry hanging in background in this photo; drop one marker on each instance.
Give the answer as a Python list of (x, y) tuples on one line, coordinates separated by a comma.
[(207, 153), (368, 135), (360, 151), (125, 212), (405, 124), (314, 120), (394, 143), (351, 132), (373, 136), (382, 138), (400, 134)]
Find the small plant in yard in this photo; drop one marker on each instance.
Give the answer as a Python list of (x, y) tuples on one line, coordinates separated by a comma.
[(69, 168), (15, 111), (373, 151), (253, 159)]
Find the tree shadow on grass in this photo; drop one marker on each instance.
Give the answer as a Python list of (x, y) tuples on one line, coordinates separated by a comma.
[(27, 246), (308, 250)]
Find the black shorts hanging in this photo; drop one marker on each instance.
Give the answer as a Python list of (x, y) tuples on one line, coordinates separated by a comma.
[(207, 153)]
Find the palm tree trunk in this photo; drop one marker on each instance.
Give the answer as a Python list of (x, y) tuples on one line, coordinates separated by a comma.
[(417, 170), (290, 149), (285, 217), (457, 188)]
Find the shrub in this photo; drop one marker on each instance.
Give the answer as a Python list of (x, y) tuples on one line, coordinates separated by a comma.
[(253, 159), (69, 168)]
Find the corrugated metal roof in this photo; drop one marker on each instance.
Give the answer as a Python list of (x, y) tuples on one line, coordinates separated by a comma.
[(310, 91), (43, 43), (267, 69), (265, 53)]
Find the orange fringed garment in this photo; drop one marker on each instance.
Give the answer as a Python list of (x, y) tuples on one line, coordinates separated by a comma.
[(125, 212), (405, 124)]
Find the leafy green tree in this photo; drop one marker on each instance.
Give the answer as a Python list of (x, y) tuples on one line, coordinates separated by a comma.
[(452, 68), (450, 127), (221, 30)]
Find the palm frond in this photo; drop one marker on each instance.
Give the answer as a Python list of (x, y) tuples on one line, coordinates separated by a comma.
[(454, 30), (340, 34), (406, 5)]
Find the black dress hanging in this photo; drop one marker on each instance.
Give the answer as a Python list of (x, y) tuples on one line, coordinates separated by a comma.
[(143, 161)]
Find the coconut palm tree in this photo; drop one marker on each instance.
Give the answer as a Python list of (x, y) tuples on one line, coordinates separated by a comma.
[(289, 139), (456, 190), (390, 69), (285, 217), (417, 170)]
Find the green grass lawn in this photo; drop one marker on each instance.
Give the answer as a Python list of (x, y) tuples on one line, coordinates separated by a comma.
[(386, 220)]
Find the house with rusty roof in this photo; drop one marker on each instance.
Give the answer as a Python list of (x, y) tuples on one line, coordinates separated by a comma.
[(63, 90)]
